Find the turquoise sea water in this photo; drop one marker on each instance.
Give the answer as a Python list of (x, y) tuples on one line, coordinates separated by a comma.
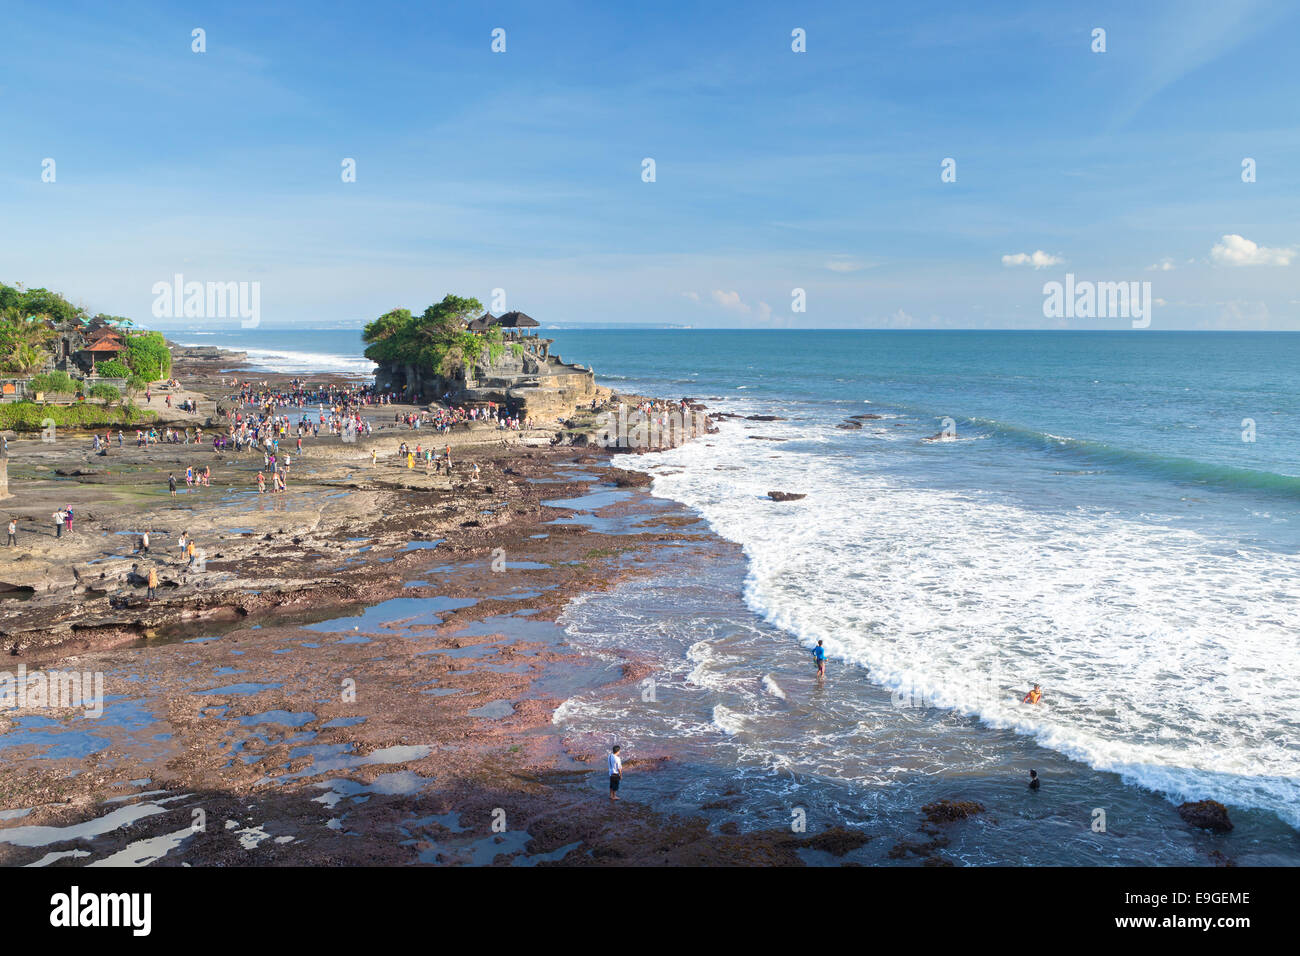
[(1097, 524)]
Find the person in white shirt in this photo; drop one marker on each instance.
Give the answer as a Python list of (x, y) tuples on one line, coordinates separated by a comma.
[(615, 771)]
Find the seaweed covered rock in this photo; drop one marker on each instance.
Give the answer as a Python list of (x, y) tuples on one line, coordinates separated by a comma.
[(950, 811), (1206, 814), (836, 841)]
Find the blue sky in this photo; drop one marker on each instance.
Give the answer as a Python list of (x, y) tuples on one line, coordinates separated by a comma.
[(775, 170)]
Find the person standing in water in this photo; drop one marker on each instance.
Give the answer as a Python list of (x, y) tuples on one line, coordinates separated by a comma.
[(615, 772), (819, 655), (1034, 696), (1033, 780)]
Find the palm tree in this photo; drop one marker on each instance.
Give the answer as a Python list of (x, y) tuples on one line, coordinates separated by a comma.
[(27, 358), (24, 329)]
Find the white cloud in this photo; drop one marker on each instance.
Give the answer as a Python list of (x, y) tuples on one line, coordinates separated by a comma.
[(730, 300), (899, 320), (1236, 250), (1164, 265), (844, 264), (693, 296), (1038, 259), (1237, 313)]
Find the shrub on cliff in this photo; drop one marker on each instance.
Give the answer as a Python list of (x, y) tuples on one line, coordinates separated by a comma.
[(112, 369), (105, 392), (55, 383)]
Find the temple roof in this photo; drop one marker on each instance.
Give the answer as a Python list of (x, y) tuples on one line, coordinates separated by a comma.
[(517, 320)]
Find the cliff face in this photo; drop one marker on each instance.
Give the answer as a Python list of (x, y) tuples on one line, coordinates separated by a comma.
[(524, 377)]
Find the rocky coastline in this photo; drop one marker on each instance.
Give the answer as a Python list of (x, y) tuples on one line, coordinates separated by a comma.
[(322, 601)]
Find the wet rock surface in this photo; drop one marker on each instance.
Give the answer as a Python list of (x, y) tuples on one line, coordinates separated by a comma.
[(784, 496), (363, 669), (1206, 815)]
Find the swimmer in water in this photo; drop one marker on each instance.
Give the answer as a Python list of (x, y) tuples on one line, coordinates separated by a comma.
[(1033, 697), (1033, 780)]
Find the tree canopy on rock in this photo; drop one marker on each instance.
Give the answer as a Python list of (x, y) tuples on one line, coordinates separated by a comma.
[(436, 339)]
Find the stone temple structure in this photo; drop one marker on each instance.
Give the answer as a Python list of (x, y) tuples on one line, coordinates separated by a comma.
[(523, 375)]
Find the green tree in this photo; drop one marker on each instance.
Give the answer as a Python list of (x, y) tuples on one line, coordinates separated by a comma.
[(18, 328), (45, 302), (26, 359), (435, 340), (148, 355)]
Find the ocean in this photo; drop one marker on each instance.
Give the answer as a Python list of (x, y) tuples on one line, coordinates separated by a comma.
[(1115, 517), (289, 350)]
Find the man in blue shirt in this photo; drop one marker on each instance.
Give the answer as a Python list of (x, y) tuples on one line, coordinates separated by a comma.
[(819, 655)]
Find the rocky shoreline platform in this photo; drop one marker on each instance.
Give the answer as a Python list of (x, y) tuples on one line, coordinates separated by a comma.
[(365, 669)]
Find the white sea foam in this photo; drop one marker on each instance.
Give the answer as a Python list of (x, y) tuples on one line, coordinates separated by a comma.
[(727, 720), (1165, 656), (292, 362), (772, 687)]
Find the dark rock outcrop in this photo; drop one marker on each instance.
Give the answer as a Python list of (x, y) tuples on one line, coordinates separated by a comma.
[(950, 811), (784, 496), (1206, 814), (630, 479)]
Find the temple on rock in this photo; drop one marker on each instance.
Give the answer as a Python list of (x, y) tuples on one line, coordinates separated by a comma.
[(515, 368)]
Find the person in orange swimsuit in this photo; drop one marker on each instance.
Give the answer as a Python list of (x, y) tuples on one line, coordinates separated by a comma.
[(1033, 697)]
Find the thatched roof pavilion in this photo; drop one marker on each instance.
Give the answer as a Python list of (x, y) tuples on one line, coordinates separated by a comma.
[(517, 320)]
